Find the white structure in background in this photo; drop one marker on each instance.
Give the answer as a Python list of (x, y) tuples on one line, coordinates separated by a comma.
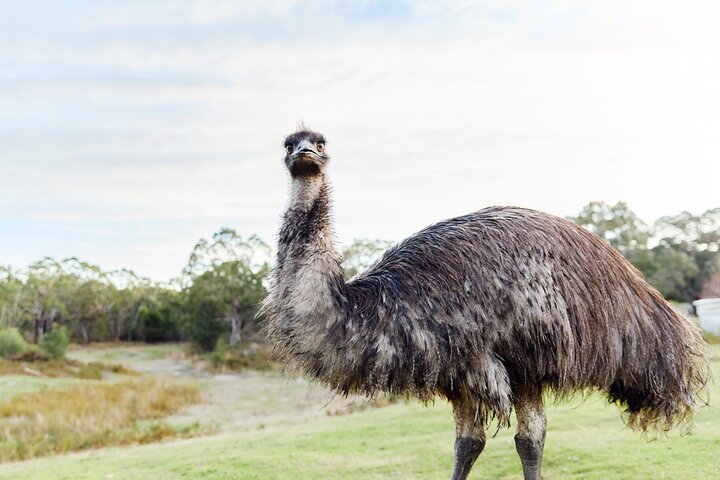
[(708, 310)]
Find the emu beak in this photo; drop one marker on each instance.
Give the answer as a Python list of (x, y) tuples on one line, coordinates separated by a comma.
[(304, 148)]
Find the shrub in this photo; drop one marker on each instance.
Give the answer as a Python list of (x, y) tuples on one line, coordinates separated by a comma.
[(32, 354), (158, 327), (95, 370), (240, 357), (55, 342), (203, 327), (12, 343), (90, 371)]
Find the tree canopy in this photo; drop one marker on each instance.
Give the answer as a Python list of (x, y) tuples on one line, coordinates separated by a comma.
[(678, 254)]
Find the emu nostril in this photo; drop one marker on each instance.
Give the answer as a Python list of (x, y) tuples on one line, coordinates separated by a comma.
[(306, 151)]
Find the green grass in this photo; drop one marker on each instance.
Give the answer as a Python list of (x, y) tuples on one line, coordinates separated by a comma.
[(14, 385), (586, 440), (712, 338)]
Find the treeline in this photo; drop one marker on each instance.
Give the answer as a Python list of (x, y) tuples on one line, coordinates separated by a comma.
[(678, 254), (91, 303), (215, 298)]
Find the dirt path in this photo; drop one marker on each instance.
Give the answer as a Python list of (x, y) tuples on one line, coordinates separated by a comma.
[(248, 400)]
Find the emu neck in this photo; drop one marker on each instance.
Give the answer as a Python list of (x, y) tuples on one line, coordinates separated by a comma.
[(310, 277), (306, 191)]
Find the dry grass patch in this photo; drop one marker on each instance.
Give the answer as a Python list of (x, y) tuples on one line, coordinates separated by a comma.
[(62, 368), (91, 416), (94, 370), (248, 356)]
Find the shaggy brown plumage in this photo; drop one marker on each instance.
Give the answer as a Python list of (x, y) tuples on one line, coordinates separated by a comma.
[(478, 309)]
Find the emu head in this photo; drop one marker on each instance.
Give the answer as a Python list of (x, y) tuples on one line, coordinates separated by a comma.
[(305, 154)]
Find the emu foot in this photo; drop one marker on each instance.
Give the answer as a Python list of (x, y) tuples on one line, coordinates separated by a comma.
[(467, 450), (530, 452)]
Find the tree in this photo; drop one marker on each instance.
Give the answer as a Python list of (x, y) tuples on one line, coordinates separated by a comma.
[(10, 296), (90, 299), (673, 273), (697, 237), (361, 254), (224, 282), (40, 300), (617, 224), (685, 251), (690, 233)]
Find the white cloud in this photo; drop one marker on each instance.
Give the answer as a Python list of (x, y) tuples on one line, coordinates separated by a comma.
[(542, 104)]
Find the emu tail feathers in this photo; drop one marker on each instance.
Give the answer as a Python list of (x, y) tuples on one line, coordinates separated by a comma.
[(674, 380)]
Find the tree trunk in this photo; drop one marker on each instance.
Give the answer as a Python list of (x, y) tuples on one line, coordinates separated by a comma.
[(235, 324), (85, 330), (37, 333), (13, 320), (134, 323), (37, 328)]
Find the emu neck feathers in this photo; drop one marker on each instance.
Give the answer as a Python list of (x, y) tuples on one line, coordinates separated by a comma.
[(306, 191), (309, 276)]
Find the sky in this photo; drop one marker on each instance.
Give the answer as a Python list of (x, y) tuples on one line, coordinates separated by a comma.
[(129, 130)]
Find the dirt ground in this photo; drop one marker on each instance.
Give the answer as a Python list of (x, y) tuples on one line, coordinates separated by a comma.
[(231, 401)]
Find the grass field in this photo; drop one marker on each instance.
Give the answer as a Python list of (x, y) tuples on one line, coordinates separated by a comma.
[(401, 441), (14, 385), (586, 440)]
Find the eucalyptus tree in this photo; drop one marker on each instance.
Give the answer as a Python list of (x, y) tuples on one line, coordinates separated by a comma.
[(616, 224), (677, 255), (361, 253), (695, 239), (223, 284), (44, 296), (90, 300), (11, 287)]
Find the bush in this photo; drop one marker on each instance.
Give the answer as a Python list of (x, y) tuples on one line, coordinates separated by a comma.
[(32, 354), (91, 371), (240, 357), (204, 327), (12, 343), (55, 342), (95, 370), (157, 327)]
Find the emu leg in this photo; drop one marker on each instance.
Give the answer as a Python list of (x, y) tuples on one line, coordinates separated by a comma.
[(530, 437), (469, 439)]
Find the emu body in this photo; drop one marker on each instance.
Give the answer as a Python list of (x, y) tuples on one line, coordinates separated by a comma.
[(489, 310)]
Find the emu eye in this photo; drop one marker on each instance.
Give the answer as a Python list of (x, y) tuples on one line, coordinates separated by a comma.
[(320, 147), (288, 148)]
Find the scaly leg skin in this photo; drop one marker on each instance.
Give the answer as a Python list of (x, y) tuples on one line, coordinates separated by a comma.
[(469, 438), (530, 437)]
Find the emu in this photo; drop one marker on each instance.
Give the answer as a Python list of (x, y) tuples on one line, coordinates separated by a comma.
[(488, 310)]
